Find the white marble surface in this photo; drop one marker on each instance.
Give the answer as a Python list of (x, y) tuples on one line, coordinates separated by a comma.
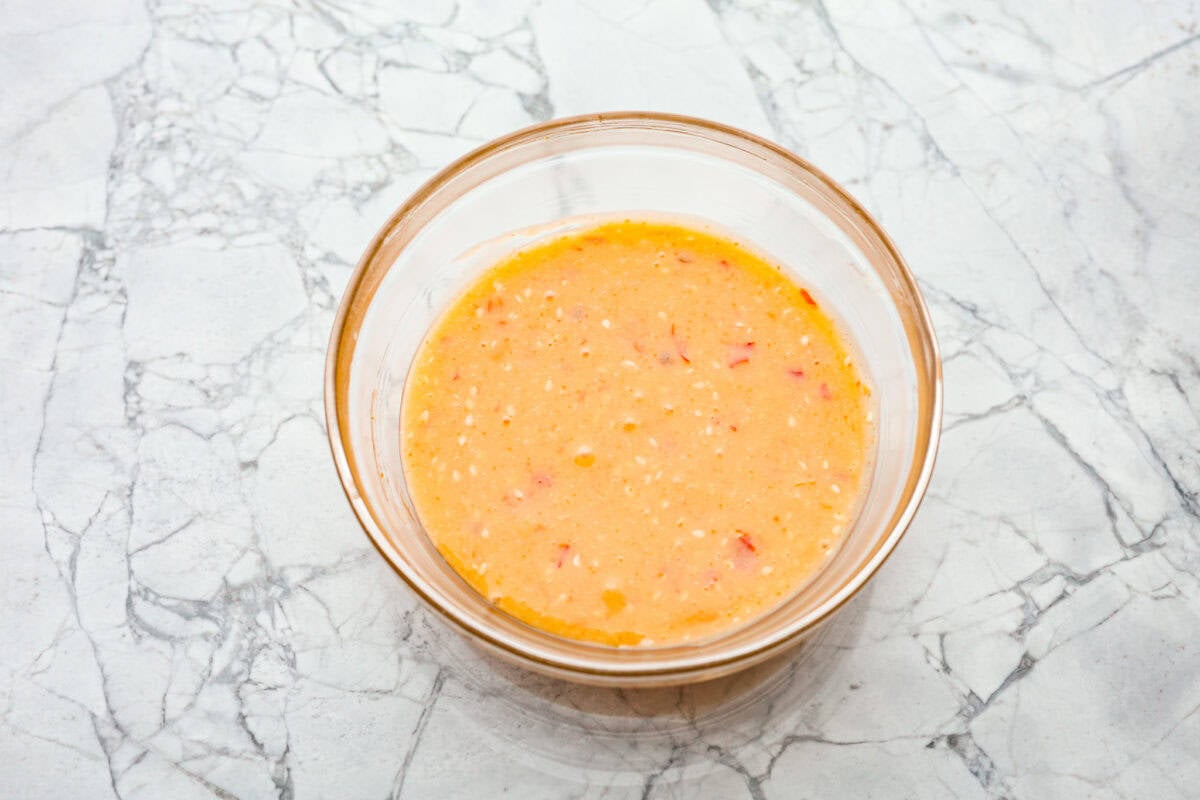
[(189, 610)]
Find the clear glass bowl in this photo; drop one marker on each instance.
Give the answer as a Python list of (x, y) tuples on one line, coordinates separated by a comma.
[(528, 185)]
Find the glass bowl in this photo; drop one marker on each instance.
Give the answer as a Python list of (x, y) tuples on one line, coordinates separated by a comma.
[(531, 184)]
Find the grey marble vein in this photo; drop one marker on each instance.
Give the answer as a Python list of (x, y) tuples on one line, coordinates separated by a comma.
[(189, 610)]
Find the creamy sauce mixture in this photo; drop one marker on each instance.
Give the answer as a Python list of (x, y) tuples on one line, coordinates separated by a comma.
[(640, 433)]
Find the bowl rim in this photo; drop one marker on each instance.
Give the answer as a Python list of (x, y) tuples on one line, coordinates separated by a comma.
[(336, 379)]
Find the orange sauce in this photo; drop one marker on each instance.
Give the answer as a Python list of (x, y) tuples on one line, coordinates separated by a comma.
[(640, 433)]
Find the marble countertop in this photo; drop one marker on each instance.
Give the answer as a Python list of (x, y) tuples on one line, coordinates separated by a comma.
[(188, 608)]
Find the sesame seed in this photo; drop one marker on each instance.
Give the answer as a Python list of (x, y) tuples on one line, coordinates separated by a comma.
[(456, 475), (469, 420), (698, 533), (653, 441), (484, 533), (791, 421), (804, 340), (507, 366), (767, 570), (483, 567), (474, 390), (510, 411), (549, 385), (870, 416), (630, 364), (462, 439), (605, 324), (517, 493), (471, 469), (425, 415), (825, 464), (558, 313), (835, 488), (576, 561)]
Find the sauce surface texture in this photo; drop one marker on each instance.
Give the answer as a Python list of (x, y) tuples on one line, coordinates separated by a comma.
[(640, 433)]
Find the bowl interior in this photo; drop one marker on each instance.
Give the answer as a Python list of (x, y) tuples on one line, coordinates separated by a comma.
[(540, 182)]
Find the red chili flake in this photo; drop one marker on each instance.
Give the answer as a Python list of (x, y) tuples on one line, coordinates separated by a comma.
[(542, 479), (711, 576), (563, 551), (594, 239), (455, 376), (638, 347), (745, 553), (494, 303), (740, 353), (796, 373), (808, 298), (680, 347), (684, 256), (826, 394), (724, 263), (733, 428)]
